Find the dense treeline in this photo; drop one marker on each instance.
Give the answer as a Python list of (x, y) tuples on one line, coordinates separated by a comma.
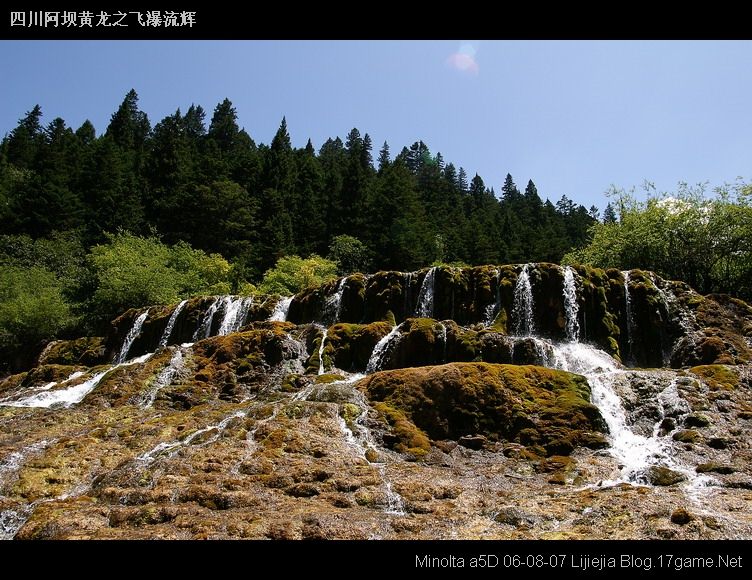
[(219, 191)]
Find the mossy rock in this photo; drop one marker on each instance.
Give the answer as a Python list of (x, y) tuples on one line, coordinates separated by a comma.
[(661, 476), (687, 436), (714, 467), (717, 377), (409, 438), (88, 351), (525, 404), (349, 346)]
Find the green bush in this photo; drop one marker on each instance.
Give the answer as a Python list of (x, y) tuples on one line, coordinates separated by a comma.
[(292, 274), (32, 307), (133, 271), (705, 241)]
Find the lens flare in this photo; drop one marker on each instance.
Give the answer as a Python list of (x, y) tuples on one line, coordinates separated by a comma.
[(464, 59)]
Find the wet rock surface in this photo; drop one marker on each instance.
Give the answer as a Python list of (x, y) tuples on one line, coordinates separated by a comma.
[(464, 433)]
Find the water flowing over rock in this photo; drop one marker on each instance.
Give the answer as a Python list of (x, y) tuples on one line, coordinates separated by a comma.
[(493, 310), (382, 348), (321, 351), (171, 324), (280, 310), (571, 306), (234, 314), (425, 298), (205, 325), (522, 311), (166, 376), (131, 336), (445, 403), (333, 306)]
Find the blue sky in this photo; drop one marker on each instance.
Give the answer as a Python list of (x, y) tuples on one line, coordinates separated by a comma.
[(575, 117)]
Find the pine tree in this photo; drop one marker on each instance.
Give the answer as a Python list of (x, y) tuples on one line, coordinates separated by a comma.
[(223, 129), (384, 159), (509, 191), (609, 214), (24, 141), (129, 127), (462, 180)]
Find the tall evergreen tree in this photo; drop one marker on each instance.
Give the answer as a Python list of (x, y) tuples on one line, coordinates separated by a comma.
[(23, 143), (384, 159)]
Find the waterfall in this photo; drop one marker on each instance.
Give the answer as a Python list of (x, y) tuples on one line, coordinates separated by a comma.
[(425, 297), (164, 378), (407, 284), (634, 452), (279, 314), (234, 314), (492, 310), (381, 349), (628, 311), (132, 335), (321, 351), (171, 324), (71, 395), (205, 325), (522, 311), (333, 304), (571, 306)]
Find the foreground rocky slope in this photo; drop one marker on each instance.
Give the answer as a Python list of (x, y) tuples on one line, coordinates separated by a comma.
[(490, 402)]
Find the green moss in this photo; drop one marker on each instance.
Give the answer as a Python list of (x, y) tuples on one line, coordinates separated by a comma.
[(350, 413), (349, 346), (328, 378), (89, 351), (717, 377), (527, 404), (410, 439), (289, 383)]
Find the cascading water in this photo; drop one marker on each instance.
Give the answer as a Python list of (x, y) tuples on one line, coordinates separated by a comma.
[(10, 465), (522, 310), (205, 325), (381, 349), (407, 289), (132, 335), (322, 370), (279, 314), (492, 310), (11, 520), (71, 395), (171, 324), (635, 452), (362, 442), (571, 306), (164, 378), (333, 305), (234, 314), (628, 311), (425, 297), (170, 448)]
